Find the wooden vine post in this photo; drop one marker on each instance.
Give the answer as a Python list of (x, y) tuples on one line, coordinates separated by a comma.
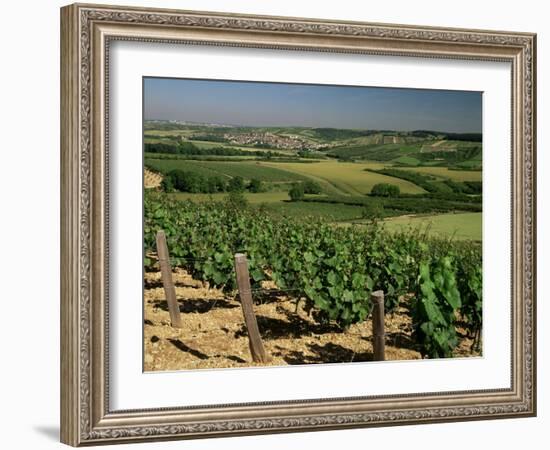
[(167, 282), (245, 294), (379, 335)]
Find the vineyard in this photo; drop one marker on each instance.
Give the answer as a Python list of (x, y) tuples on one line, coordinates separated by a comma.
[(328, 271)]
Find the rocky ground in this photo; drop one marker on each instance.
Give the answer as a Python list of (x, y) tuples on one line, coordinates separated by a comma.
[(214, 335)]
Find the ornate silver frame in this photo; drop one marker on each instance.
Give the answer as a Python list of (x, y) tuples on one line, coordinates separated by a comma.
[(86, 31)]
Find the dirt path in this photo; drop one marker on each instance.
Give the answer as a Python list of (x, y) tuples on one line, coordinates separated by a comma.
[(214, 336)]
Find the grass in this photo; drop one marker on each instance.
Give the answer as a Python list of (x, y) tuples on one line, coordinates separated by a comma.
[(166, 165), (174, 156), (470, 164), (277, 203), (343, 178), (212, 144), (458, 225), (207, 144), (338, 178), (168, 132), (407, 161), (335, 212), (378, 152), (444, 172), (247, 170), (262, 197), (151, 140)]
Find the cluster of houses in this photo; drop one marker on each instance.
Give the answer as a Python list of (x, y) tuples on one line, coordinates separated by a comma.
[(270, 140)]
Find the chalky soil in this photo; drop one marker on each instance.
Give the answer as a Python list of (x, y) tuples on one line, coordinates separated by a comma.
[(214, 336)]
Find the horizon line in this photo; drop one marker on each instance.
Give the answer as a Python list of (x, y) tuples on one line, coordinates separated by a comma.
[(190, 122)]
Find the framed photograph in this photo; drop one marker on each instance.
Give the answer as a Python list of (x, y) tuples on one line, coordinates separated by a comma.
[(276, 224)]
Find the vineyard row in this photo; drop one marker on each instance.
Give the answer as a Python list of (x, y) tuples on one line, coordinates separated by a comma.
[(333, 269)]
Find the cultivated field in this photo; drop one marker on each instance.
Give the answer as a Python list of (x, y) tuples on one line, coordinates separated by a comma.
[(325, 217), (456, 225), (436, 183), (228, 169), (446, 173), (254, 198), (346, 178)]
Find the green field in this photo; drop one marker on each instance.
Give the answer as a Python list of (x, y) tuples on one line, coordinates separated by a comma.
[(168, 132), (335, 177), (471, 164), (278, 203), (379, 152), (458, 225), (262, 197), (157, 140), (210, 144), (407, 161), (335, 212), (345, 184), (345, 178), (247, 170), (444, 172)]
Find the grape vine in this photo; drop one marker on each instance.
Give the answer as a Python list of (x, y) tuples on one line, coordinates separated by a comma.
[(333, 269)]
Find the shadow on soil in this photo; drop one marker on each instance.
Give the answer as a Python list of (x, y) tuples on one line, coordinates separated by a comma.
[(401, 340), (184, 348), (200, 306), (236, 359), (327, 353), (200, 355), (293, 326), (152, 284), (268, 296)]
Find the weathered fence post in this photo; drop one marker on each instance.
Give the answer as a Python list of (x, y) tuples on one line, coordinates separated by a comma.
[(379, 335), (167, 282), (245, 295)]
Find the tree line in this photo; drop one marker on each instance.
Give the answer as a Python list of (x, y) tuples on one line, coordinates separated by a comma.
[(189, 149), (193, 182)]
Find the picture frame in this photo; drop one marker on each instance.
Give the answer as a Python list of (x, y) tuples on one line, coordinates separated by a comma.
[(87, 33)]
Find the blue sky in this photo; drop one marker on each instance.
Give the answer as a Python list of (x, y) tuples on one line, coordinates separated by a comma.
[(282, 104)]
